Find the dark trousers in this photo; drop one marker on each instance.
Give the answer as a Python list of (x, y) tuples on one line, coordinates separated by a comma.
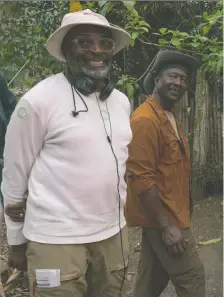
[(157, 267)]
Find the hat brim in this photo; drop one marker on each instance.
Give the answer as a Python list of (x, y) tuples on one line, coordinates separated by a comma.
[(174, 57), (54, 42)]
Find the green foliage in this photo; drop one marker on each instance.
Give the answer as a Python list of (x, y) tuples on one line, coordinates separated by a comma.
[(135, 25), (26, 25), (25, 29), (208, 47), (128, 85)]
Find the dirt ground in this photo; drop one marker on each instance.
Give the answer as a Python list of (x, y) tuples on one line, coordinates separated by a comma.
[(207, 223)]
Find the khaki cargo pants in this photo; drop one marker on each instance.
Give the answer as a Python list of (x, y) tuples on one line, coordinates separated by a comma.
[(157, 267), (103, 259)]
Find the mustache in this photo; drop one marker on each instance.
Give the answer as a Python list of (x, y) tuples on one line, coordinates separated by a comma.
[(176, 89), (100, 57)]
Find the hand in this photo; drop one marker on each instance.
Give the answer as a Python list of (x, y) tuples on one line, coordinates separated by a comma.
[(17, 257), (16, 211), (173, 239)]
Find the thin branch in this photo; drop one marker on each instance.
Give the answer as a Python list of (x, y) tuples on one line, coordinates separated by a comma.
[(148, 68), (169, 47), (160, 46)]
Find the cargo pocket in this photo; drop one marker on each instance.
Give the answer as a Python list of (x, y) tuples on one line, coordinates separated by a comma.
[(69, 282), (118, 260)]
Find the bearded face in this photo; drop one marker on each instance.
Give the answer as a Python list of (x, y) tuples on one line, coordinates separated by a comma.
[(89, 51)]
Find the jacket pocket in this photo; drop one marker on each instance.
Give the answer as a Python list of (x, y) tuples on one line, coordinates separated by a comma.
[(172, 152)]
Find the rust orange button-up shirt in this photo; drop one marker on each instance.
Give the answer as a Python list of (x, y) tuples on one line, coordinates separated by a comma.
[(157, 156)]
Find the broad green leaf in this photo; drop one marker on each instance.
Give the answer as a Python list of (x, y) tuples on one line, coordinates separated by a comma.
[(129, 4), (102, 2), (130, 90), (162, 41), (136, 86), (206, 29), (195, 44), (110, 7), (175, 41), (105, 8), (134, 35), (163, 30), (134, 12), (119, 83), (132, 42), (184, 34), (143, 23), (203, 38), (144, 29)]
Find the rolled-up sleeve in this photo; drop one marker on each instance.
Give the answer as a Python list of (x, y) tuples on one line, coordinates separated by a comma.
[(144, 152)]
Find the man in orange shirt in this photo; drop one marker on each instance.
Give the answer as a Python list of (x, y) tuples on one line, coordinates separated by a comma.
[(158, 178)]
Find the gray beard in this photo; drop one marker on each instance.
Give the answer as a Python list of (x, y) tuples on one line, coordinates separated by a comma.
[(95, 73)]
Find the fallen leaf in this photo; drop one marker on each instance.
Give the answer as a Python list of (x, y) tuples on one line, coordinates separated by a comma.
[(14, 276), (211, 241)]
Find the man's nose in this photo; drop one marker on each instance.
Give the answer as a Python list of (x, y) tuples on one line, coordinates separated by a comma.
[(177, 81), (96, 47)]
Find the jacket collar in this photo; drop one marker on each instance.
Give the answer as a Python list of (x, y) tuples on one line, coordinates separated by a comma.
[(163, 117), (157, 109)]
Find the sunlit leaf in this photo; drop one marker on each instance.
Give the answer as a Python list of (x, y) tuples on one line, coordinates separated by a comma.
[(105, 8), (162, 41), (144, 29), (143, 23), (175, 41), (206, 29), (134, 35), (195, 44), (129, 4), (130, 90), (163, 30), (211, 241), (132, 42)]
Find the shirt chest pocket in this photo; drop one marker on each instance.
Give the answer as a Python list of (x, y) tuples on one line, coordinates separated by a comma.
[(171, 151)]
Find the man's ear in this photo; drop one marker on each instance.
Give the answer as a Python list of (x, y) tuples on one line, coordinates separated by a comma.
[(156, 81)]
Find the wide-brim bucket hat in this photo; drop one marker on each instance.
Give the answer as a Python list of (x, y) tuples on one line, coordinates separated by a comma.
[(85, 17)]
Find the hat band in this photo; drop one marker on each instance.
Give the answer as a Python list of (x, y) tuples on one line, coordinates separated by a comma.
[(170, 66)]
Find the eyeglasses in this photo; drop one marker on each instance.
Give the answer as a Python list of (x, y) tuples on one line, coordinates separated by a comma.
[(86, 43)]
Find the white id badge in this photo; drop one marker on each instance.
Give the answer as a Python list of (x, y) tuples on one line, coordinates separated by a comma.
[(48, 278)]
